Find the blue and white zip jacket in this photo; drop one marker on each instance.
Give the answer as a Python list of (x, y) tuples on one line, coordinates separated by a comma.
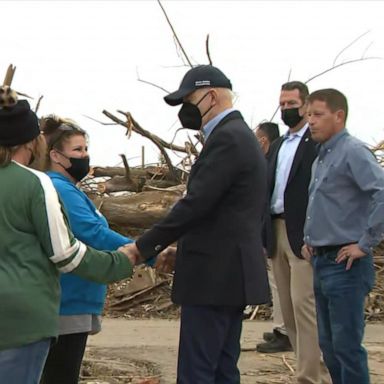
[(79, 296)]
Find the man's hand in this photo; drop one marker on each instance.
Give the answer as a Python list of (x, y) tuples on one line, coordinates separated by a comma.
[(132, 252), (165, 261), (350, 253), (307, 252)]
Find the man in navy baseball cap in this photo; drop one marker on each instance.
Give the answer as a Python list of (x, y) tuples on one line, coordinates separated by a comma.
[(219, 263), (198, 77)]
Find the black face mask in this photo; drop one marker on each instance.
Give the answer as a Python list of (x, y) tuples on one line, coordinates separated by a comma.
[(79, 168), (189, 115), (291, 117)]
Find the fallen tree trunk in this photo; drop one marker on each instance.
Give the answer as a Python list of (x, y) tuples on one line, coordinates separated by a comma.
[(121, 183), (135, 179), (110, 171), (131, 215), (134, 172)]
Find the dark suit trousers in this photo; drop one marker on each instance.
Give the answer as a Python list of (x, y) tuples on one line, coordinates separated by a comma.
[(209, 345)]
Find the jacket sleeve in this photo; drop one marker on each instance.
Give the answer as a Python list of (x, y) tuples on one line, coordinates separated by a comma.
[(63, 249), (85, 222), (211, 181)]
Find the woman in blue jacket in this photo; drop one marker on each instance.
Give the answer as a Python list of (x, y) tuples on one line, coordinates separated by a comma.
[(82, 301)]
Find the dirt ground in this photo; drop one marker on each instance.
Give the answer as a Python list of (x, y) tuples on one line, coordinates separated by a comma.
[(145, 352)]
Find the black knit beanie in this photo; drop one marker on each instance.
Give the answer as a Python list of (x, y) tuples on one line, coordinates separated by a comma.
[(18, 123)]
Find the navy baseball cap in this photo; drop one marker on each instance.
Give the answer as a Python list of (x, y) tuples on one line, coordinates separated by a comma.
[(198, 77)]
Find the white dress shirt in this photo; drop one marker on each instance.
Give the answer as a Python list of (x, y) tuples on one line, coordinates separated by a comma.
[(283, 168)]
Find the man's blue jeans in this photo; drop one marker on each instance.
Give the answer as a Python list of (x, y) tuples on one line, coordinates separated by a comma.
[(340, 297), (24, 365)]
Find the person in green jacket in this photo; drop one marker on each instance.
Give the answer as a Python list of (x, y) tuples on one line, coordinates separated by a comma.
[(36, 244)]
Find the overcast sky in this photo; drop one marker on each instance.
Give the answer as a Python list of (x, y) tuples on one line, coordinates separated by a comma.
[(85, 56)]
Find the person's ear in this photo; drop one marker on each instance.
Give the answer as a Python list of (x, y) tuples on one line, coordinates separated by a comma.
[(214, 97), (262, 140), (54, 156), (303, 109), (29, 147), (340, 116)]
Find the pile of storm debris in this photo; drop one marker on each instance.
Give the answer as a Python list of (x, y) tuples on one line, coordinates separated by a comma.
[(374, 309), (148, 295), (149, 194)]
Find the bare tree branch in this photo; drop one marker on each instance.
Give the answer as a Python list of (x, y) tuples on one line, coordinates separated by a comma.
[(200, 138), (193, 145), (189, 146), (9, 78), (348, 46), (174, 34), (289, 74), (274, 113), (174, 66), (153, 84), (278, 107), (331, 69), (38, 103), (150, 83), (366, 49), (126, 166), (98, 121), (207, 49), (9, 75), (138, 129), (24, 95), (132, 125), (340, 65)]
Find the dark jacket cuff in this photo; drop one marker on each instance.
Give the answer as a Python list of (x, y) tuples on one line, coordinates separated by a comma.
[(152, 242)]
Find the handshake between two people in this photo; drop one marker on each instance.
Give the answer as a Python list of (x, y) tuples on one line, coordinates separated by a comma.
[(165, 261)]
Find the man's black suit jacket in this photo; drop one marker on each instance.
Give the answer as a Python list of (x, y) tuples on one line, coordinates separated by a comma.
[(296, 191), (217, 224)]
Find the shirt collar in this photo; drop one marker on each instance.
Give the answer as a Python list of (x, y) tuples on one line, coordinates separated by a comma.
[(330, 143), (58, 175), (299, 133), (211, 125)]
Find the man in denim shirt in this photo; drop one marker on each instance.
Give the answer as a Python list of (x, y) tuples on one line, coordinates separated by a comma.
[(344, 221)]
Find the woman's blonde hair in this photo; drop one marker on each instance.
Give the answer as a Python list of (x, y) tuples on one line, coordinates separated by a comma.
[(58, 130), (6, 154), (38, 149)]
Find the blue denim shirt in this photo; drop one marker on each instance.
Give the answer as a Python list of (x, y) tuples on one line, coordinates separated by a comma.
[(346, 195)]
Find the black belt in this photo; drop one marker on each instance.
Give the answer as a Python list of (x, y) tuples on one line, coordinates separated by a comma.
[(278, 216), (319, 251)]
